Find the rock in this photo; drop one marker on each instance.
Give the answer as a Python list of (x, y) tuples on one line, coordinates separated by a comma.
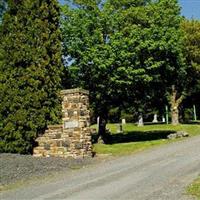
[(183, 133), (178, 134), (100, 140), (172, 136)]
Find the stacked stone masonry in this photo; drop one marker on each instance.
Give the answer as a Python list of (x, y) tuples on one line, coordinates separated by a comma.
[(73, 137)]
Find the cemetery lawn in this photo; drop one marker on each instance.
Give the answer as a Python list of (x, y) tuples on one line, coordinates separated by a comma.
[(136, 138), (194, 188)]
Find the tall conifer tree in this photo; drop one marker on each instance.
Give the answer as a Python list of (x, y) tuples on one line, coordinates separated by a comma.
[(30, 71)]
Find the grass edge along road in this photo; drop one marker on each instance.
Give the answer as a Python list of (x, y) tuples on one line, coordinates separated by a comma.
[(194, 188), (124, 148)]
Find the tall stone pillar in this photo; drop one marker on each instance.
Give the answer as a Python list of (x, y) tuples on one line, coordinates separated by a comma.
[(76, 121), (73, 137)]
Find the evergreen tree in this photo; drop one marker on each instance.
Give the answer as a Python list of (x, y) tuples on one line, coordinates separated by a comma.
[(30, 71)]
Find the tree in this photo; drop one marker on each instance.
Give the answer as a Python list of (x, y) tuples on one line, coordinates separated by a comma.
[(30, 71), (126, 51), (191, 29), (133, 46), (100, 39), (170, 76)]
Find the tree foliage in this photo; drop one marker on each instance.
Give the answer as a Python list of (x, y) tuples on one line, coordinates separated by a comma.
[(125, 52), (191, 29), (30, 72)]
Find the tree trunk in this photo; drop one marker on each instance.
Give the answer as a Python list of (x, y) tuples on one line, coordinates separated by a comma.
[(102, 127), (175, 103), (175, 115), (101, 130)]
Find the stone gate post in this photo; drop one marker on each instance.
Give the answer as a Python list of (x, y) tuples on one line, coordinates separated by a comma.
[(73, 137)]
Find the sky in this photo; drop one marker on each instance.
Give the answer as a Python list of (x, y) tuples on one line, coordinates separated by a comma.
[(190, 8)]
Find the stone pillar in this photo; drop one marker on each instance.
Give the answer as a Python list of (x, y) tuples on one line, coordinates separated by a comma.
[(73, 137), (76, 121)]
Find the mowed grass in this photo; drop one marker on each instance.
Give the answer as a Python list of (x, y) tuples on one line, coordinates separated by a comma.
[(194, 188), (141, 137)]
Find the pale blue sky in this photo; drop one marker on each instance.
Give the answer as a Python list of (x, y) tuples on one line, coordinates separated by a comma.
[(190, 8)]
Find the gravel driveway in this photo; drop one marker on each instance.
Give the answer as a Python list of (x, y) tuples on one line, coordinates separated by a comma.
[(161, 173), (15, 168)]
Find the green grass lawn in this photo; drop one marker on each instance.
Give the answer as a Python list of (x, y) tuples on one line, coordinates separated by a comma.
[(136, 138), (194, 188)]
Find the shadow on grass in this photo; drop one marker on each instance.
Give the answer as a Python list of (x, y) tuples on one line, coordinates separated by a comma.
[(193, 122), (138, 136)]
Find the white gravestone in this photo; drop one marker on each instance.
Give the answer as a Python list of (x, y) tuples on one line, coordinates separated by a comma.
[(123, 121), (119, 128), (98, 123), (140, 122), (155, 118)]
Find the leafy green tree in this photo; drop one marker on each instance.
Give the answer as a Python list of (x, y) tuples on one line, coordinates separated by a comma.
[(124, 52), (155, 46), (127, 53), (96, 40), (170, 77), (30, 71), (191, 29)]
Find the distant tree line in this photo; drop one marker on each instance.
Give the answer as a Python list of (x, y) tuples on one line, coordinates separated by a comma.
[(134, 56)]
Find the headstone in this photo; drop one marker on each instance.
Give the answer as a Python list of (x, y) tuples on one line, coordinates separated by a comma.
[(140, 122), (98, 123), (155, 118), (123, 121), (163, 119), (119, 128)]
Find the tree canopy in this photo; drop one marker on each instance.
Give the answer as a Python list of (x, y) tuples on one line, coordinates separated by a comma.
[(191, 30), (125, 50)]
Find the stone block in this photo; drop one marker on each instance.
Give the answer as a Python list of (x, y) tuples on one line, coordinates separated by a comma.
[(66, 143), (78, 145), (47, 146)]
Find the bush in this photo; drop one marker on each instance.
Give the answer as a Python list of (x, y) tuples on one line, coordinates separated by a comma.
[(114, 115), (188, 114), (129, 117)]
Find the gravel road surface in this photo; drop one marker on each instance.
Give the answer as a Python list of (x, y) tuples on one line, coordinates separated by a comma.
[(161, 173), (15, 167)]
